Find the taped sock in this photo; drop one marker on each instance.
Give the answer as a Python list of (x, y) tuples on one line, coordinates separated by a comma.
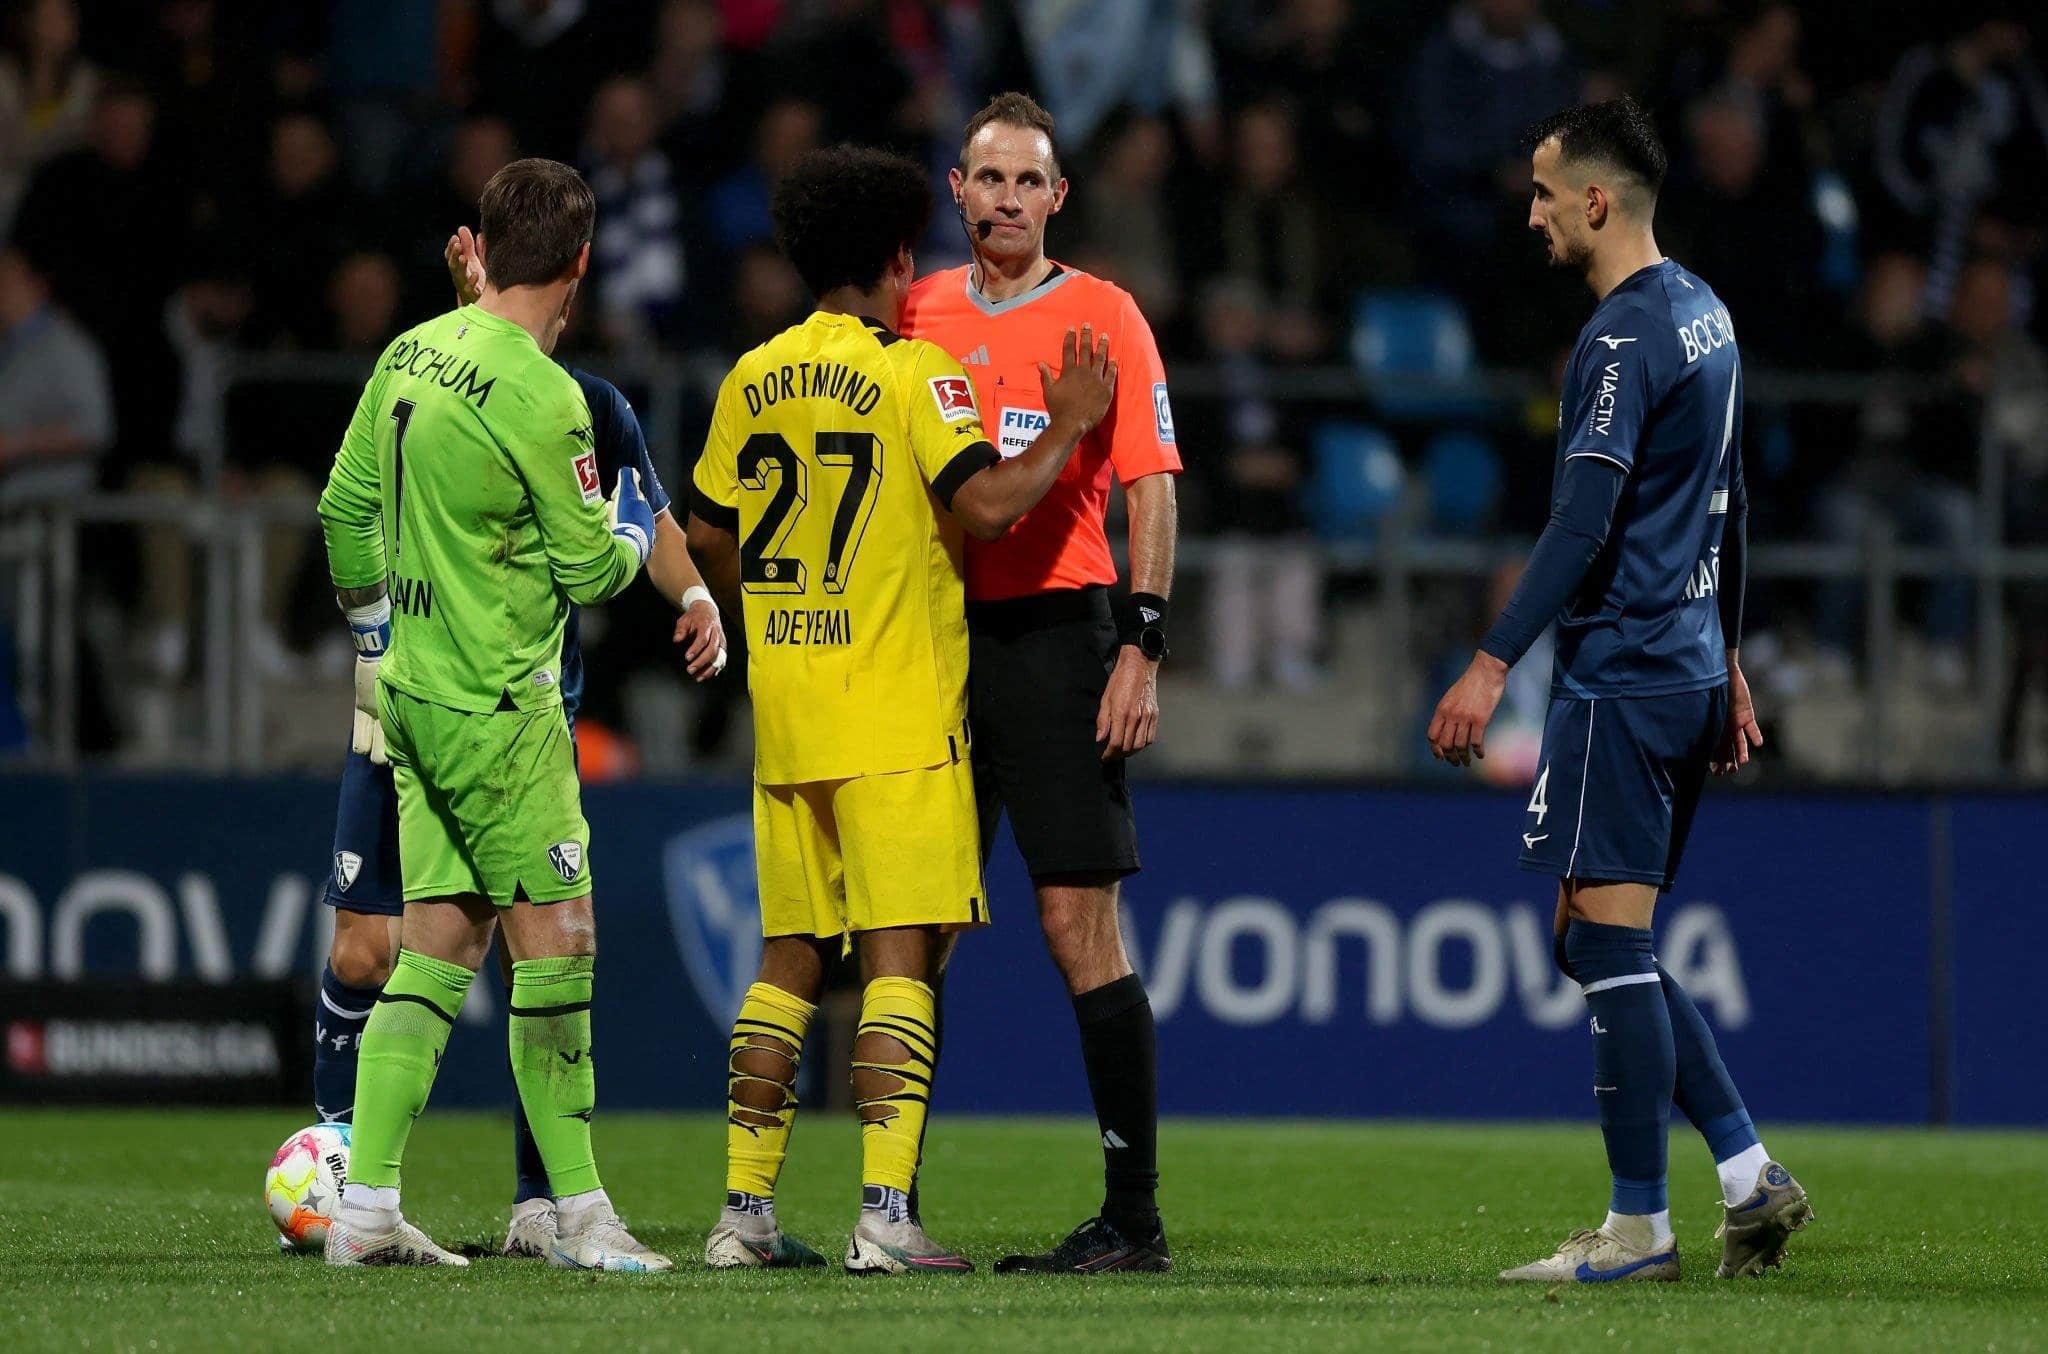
[(892, 1079), (761, 1063)]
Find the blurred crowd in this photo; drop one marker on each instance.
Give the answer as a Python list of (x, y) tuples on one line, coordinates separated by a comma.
[(1292, 189)]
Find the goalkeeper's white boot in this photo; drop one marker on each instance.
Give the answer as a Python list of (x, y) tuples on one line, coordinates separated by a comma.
[(401, 1244), (601, 1241), (1599, 1256), (532, 1233)]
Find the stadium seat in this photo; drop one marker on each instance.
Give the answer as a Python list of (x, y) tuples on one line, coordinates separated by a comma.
[(1463, 482), (1413, 346), (1357, 483)]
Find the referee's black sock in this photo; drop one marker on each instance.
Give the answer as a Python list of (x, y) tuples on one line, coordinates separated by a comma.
[(1120, 1047)]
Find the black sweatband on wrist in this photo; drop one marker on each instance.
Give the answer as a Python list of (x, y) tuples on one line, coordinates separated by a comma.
[(1140, 611)]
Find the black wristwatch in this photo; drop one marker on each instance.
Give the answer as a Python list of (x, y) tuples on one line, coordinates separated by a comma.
[(1151, 642)]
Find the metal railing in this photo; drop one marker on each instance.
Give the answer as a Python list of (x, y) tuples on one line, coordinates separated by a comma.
[(42, 546)]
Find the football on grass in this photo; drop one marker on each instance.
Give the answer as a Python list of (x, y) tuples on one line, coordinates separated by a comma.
[(302, 1188)]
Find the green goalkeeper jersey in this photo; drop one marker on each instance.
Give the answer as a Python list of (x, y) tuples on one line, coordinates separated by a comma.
[(468, 479)]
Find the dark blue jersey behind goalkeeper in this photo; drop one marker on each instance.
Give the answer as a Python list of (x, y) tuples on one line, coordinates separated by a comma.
[(1641, 571)]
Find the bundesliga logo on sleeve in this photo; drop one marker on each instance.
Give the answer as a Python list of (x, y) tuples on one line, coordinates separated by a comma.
[(586, 477), (955, 397)]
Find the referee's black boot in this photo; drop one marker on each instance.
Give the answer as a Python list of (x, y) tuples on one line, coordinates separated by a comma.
[(1097, 1247)]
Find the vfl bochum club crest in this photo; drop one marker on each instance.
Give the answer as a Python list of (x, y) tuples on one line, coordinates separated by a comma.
[(567, 858), (347, 865), (714, 910)]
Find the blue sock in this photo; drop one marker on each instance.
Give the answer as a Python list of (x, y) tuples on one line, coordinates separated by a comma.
[(1705, 1092), (338, 1023), (1634, 1064), (533, 1172)]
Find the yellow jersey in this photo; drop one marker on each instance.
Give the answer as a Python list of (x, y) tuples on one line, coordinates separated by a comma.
[(834, 453)]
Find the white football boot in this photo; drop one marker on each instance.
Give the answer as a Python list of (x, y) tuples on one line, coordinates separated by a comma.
[(532, 1233), (1599, 1256), (604, 1243), (1756, 1232), (879, 1246), (403, 1244), (749, 1240)]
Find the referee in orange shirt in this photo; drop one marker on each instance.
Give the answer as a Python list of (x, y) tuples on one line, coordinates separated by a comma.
[(1061, 690)]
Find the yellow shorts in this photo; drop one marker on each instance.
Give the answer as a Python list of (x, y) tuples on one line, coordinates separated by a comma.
[(869, 853)]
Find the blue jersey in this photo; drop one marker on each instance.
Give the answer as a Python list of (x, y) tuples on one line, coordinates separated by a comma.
[(1654, 387), (619, 442)]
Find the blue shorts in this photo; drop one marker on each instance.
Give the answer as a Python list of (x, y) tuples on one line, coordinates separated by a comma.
[(362, 874), (1619, 782)]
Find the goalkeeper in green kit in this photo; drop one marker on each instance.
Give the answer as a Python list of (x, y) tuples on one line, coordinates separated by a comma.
[(463, 517)]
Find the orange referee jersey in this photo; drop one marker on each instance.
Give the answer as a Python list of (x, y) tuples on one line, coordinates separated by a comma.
[(1060, 543)]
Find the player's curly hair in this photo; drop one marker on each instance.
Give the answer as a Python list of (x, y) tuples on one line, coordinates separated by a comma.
[(1618, 133), (841, 214)]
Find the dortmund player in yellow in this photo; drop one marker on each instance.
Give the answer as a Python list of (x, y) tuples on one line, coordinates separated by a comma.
[(842, 465)]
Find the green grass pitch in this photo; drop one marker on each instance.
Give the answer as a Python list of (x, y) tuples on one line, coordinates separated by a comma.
[(136, 1230)]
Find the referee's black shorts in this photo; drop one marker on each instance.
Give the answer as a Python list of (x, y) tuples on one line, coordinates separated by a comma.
[(1036, 673)]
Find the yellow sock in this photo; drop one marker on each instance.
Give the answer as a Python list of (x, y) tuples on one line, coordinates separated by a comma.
[(767, 1045), (892, 1095)]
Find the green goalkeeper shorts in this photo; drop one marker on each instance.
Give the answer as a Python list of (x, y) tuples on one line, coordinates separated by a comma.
[(487, 804)]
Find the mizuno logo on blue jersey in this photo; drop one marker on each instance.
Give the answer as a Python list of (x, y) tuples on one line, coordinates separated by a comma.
[(1612, 342)]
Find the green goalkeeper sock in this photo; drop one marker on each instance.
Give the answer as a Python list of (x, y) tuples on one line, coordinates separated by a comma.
[(551, 1063), (399, 1055)]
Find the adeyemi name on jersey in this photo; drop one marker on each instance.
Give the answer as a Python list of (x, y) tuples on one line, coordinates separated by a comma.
[(813, 380), (413, 596), (808, 625), (431, 364), (1709, 332)]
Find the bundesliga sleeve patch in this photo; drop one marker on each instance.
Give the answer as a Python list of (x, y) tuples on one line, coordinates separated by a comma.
[(586, 477), (955, 397), (1162, 412)]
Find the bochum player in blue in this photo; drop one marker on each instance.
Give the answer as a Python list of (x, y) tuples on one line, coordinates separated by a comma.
[(364, 885), (1641, 569)]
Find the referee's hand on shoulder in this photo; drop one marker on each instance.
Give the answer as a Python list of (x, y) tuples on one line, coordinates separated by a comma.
[(1080, 394)]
